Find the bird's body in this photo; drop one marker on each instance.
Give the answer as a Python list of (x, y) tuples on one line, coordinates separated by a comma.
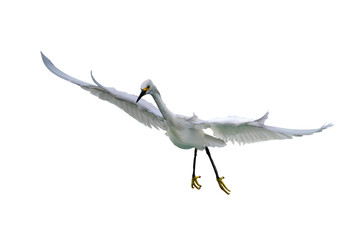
[(182, 130), (179, 129), (185, 136), (186, 132)]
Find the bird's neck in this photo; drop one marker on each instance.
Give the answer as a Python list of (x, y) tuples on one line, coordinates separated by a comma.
[(167, 114)]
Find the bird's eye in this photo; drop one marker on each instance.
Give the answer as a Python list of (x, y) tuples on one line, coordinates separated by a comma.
[(146, 89)]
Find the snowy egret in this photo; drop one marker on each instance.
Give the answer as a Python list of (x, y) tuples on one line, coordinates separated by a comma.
[(186, 132)]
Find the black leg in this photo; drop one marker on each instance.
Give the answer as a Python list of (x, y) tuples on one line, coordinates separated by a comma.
[(194, 165), (212, 162), (194, 181), (220, 182)]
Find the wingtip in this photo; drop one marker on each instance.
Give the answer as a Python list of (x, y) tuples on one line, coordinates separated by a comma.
[(92, 77), (327, 125), (43, 55), (46, 61), (262, 120), (96, 82)]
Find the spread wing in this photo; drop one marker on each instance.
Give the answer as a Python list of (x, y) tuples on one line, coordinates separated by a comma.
[(143, 111), (245, 131)]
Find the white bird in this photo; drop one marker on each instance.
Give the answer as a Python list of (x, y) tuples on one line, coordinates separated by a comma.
[(186, 132)]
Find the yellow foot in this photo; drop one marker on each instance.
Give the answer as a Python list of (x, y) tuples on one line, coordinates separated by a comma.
[(222, 185), (195, 183)]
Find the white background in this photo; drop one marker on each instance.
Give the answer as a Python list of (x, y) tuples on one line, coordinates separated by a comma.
[(75, 167)]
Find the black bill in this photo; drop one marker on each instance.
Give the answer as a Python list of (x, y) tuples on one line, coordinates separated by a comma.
[(141, 95)]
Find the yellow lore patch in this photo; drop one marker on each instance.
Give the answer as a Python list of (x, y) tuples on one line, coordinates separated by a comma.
[(146, 89)]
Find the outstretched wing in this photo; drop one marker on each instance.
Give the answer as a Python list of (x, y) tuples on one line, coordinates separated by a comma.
[(245, 131), (142, 111)]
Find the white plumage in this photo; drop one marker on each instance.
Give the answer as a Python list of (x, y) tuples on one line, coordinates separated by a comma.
[(234, 129), (185, 132)]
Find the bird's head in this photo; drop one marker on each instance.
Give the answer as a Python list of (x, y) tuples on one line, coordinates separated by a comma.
[(147, 87)]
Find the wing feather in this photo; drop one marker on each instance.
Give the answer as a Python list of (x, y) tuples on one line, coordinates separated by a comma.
[(143, 111), (244, 131)]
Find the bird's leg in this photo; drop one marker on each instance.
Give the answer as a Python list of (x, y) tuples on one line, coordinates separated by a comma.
[(194, 181), (220, 182)]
